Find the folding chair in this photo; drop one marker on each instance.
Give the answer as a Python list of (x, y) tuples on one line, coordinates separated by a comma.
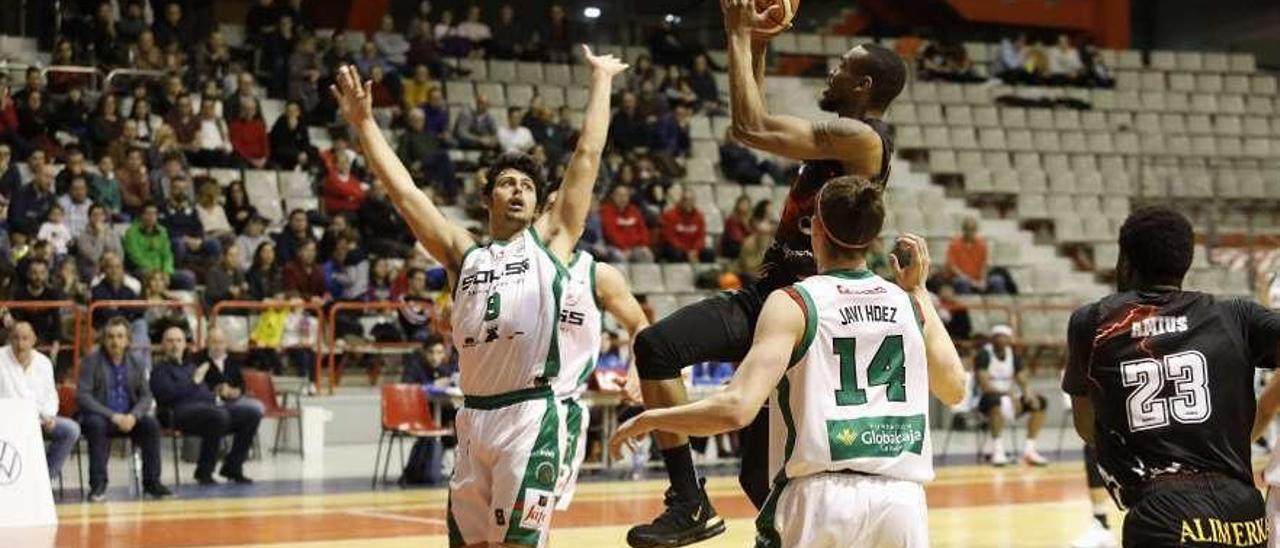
[(259, 385), (406, 413)]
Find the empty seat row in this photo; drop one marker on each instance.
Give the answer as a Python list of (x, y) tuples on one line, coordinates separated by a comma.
[(1067, 119)]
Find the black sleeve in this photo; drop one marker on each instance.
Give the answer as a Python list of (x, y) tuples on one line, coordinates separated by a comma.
[(1261, 328), (981, 360), (1080, 332)]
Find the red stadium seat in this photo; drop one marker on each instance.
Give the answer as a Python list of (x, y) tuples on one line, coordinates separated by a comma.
[(259, 385), (406, 413)]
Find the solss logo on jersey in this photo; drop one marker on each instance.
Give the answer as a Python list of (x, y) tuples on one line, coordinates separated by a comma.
[(481, 278)]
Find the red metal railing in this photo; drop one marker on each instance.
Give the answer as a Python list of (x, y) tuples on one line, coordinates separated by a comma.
[(220, 308), (77, 315), (197, 336), (368, 344)]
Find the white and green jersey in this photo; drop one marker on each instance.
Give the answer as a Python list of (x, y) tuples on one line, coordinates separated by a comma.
[(581, 325), (506, 308), (855, 397)]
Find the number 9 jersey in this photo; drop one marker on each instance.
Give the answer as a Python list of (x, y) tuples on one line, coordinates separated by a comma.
[(1170, 376), (855, 397)]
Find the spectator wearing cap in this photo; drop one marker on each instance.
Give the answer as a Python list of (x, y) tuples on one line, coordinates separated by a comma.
[(625, 230), (998, 370)]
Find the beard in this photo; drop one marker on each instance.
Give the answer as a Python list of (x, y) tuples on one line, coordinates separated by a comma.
[(828, 104)]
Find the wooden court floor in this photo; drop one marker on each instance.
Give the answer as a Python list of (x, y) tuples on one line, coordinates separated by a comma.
[(969, 506)]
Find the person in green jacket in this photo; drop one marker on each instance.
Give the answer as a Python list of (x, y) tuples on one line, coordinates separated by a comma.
[(146, 243)]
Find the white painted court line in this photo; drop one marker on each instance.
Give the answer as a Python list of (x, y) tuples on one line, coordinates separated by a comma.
[(395, 517)]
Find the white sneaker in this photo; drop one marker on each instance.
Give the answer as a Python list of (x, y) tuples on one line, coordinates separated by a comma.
[(1034, 458), (999, 458), (1096, 537)]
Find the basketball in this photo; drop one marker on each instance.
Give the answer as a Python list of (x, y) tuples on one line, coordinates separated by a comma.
[(779, 20)]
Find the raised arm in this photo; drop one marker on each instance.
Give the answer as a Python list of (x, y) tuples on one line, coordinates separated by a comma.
[(617, 300), (946, 371), (444, 240), (567, 216), (781, 327), (843, 139)]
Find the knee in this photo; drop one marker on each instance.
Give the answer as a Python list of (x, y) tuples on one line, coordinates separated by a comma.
[(147, 425), (654, 361), (93, 423), (66, 429)]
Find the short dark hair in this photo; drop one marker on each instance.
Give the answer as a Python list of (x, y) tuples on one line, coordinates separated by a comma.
[(888, 74), (1158, 244), (852, 212), (432, 340), (521, 162), (117, 321)]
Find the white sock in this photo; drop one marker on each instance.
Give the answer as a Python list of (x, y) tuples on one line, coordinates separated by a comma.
[(1031, 446), (997, 445)]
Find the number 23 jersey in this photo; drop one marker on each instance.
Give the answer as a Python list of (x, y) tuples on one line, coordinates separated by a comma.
[(505, 311), (1170, 375)]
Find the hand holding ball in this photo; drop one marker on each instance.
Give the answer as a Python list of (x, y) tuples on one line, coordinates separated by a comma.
[(776, 15)]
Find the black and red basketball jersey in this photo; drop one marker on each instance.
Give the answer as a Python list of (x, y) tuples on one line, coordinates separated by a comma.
[(1170, 375), (790, 258)]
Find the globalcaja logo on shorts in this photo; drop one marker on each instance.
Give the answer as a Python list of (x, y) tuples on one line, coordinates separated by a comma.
[(871, 437)]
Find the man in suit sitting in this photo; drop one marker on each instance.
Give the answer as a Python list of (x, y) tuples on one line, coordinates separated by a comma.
[(115, 399), (223, 378), (187, 404)]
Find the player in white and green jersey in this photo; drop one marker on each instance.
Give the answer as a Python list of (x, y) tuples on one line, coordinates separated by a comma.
[(592, 289), (851, 360), (505, 315)]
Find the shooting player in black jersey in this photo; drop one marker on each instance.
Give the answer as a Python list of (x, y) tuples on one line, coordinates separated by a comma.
[(1162, 389)]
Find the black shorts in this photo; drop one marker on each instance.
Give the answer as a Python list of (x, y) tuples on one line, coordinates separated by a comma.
[(1197, 510), (991, 401)]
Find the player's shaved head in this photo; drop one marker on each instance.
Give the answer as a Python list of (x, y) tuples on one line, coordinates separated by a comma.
[(887, 71), (1156, 248), (851, 211)]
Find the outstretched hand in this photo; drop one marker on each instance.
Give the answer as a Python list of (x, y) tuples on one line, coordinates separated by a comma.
[(913, 275), (355, 100), (742, 15), (606, 65), (626, 434)]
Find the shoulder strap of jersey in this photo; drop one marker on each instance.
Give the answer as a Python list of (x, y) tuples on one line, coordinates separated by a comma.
[(801, 296)]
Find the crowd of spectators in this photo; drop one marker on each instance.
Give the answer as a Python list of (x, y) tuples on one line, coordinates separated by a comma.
[(1017, 60), (109, 194)]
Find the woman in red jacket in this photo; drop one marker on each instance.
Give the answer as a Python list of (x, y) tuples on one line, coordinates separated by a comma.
[(343, 191), (624, 227), (249, 136)]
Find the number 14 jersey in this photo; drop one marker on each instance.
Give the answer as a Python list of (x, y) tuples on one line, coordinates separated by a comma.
[(855, 397), (1170, 376)]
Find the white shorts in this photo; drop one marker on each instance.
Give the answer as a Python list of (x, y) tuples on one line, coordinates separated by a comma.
[(576, 419), (845, 510), (1273, 515), (504, 479)]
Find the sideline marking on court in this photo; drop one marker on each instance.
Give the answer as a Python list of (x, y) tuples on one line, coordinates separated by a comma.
[(394, 517)]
